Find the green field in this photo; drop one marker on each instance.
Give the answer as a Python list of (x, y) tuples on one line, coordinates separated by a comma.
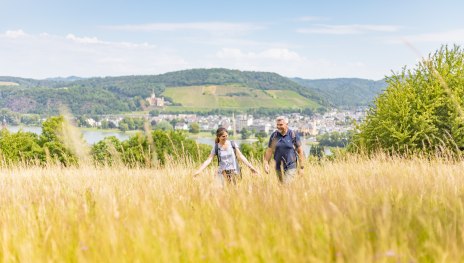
[(8, 83), (234, 96)]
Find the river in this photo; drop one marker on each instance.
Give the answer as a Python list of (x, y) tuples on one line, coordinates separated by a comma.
[(90, 136)]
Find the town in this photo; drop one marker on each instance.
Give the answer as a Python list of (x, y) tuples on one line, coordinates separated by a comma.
[(334, 120)]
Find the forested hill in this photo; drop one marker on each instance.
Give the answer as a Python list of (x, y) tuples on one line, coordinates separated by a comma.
[(129, 85), (345, 92), (33, 83), (126, 93)]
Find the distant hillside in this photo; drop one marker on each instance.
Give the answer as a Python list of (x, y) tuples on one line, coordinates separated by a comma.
[(127, 93), (345, 92), (67, 79), (31, 83), (138, 85), (234, 96)]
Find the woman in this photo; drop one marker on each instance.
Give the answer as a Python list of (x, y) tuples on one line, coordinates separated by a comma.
[(227, 152)]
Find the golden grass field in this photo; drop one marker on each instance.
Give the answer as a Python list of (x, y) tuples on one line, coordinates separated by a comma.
[(356, 210)]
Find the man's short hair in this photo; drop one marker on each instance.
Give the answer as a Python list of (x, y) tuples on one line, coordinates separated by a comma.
[(282, 118)]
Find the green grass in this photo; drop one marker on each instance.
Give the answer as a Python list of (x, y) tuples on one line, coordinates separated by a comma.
[(212, 97)]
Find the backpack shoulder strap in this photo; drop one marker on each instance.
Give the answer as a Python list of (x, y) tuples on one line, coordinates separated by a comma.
[(273, 135), (216, 152), (293, 134), (233, 145)]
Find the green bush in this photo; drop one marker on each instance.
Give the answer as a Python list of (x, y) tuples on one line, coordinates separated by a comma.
[(29, 148), (107, 151), (143, 151), (255, 150), (20, 147), (421, 110), (53, 142), (139, 150), (334, 139)]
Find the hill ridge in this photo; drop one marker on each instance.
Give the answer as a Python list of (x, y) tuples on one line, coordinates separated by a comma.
[(112, 94)]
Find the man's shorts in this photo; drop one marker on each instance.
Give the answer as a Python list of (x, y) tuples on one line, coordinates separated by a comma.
[(288, 175)]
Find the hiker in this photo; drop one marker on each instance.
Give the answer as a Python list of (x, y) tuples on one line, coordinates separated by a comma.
[(285, 144), (227, 153)]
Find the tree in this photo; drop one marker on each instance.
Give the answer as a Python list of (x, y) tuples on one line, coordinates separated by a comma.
[(194, 128), (255, 150), (20, 147), (30, 119), (421, 111), (104, 124), (245, 133), (176, 146), (52, 141), (123, 126), (316, 151), (164, 125), (107, 151), (261, 134), (154, 112), (112, 125), (334, 139)]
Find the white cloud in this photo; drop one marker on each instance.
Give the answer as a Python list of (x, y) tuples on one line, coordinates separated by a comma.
[(15, 33), (273, 53), (84, 40), (44, 55), (287, 63), (198, 26), (452, 36), (347, 29)]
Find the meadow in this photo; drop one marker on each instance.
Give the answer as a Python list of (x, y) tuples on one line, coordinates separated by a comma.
[(8, 83), (235, 97), (353, 210)]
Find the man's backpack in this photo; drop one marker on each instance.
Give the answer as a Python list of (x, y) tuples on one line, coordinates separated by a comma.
[(216, 151)]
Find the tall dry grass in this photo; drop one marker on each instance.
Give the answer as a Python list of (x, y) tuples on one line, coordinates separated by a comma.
[(356, 210)]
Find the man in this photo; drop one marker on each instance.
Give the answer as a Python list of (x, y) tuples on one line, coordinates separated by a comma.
[(285, 144)]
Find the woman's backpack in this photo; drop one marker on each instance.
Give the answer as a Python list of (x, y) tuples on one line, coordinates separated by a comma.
[(216, 151)]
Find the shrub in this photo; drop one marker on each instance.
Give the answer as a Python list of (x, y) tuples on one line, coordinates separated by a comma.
[(421, 110)]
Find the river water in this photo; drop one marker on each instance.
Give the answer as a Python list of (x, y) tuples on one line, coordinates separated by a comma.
[(90, 136)]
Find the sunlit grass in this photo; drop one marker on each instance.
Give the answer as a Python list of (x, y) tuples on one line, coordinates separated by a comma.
[(382, 210)]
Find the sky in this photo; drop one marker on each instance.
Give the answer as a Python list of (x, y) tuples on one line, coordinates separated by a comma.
[(306, 39)]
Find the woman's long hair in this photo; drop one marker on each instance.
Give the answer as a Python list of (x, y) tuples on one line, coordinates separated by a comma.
[(219, 133)]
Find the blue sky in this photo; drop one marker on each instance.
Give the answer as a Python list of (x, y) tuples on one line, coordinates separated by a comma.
[(307, 39)]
